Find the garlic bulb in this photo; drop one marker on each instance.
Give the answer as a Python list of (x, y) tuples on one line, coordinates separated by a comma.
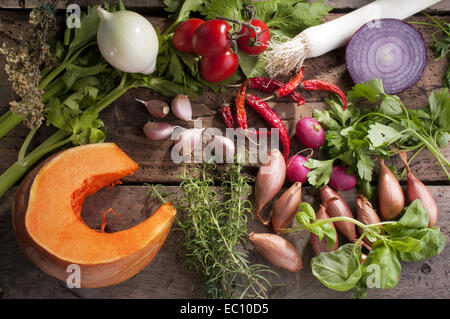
[(127, 41)]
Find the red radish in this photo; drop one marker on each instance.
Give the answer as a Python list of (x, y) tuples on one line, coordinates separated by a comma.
[(321, 245), (340, 180), (336, 207), (277, 250), (295, 171), (309, 132), (390, 194), (418, 190), (286, 207)]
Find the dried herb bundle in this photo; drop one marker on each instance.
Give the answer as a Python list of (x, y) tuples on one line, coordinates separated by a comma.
[(26, 54)]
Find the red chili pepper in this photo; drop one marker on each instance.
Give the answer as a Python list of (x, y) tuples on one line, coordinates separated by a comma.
[(227, 116), (269, 86), (319, 85), (241, 115), (291, 85), (272, 119)]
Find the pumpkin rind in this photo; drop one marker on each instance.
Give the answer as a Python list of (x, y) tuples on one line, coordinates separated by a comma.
[(48, 225)]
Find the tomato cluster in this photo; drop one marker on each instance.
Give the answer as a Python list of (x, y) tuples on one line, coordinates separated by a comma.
[(212, 40)]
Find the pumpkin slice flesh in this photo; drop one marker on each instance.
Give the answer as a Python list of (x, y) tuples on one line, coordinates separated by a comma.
[(53, 217)]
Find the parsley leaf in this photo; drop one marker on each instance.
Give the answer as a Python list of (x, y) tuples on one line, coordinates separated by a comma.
[(320, 171)]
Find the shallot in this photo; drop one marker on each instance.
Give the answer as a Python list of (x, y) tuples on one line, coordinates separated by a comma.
[(277, 250), (156, 108), (336, 207), (269, 180), (157, 131), (366, 215), (390, 194), (322, 245), (181, 107), (286, 207), (417, 190)]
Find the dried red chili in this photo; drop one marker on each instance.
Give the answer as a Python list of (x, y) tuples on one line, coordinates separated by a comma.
[(227, 115), (291, 85), (269, 86), (320, 85), (241, 115), (272, 119)]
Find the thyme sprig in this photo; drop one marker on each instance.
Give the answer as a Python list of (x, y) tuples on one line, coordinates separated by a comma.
[(214, 224)]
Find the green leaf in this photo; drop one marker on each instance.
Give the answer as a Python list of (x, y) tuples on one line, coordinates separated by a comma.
[(88, 29), (380, 135), (390, 105), (75, 72), (339, 270), (325, 118), (415, 216), (365, 165), (381, 268), (229, 9), (442, 139), (371, 90), (251, 65), (320, 171), (182, 9), (432, 242)]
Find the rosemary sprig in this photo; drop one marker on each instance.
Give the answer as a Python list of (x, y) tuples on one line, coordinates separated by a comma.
[(214, 226)]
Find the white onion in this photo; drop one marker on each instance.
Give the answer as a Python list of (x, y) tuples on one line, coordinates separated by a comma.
[(127, 41)]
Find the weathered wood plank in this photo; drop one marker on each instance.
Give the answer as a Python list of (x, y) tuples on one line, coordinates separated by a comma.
[(165, 276), (158, 4), (126, 117)]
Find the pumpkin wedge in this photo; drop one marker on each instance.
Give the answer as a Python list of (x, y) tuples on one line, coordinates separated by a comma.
[(49, 228)]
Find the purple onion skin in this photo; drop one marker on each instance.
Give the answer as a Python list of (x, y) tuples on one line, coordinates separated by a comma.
[(390, 194), (295, 171), (336, 208), (310, 133), (321, 245), (403, 64), (340, 180)]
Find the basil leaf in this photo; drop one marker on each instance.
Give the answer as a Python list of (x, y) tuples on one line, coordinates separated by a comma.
[(339, 270), (381, 268), (432, 242), (415, 216)]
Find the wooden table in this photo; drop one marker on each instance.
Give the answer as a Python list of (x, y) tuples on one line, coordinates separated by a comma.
[(165, 277)]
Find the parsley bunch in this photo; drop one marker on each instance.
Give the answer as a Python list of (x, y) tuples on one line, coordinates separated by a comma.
[(359, 134)]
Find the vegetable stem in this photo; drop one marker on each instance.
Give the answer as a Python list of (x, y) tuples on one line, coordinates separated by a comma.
[(8, 123), (26, 143)]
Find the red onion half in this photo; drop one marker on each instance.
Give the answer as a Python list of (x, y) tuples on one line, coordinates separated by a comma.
[(389, 49)]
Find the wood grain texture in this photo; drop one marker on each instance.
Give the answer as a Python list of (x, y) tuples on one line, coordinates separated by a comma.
[(166, 278)]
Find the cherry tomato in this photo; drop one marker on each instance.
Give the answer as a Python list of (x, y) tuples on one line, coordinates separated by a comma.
[(211, 38), (219, 67), (182, 38), (252, 44)]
